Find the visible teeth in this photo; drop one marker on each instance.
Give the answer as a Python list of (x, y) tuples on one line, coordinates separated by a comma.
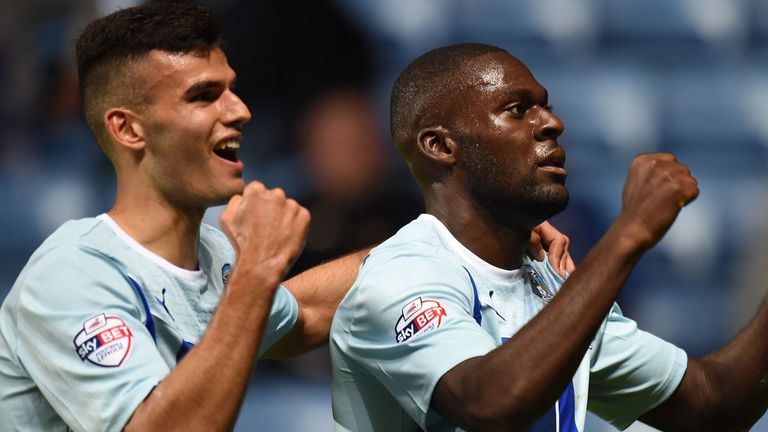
[(228, 145)]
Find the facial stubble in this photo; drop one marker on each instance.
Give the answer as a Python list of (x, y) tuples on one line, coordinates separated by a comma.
[(506, 194)]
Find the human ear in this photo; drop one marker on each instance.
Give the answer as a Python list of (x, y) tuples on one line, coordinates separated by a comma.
[(124, 128), (436, 145)]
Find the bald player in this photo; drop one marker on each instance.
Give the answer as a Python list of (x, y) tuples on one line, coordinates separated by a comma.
[(450, 326)]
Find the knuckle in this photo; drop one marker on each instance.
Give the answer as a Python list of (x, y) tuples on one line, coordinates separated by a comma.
[(278, 193), (250, 190), (255, 186), (292, 205), (695, 191), (303, 217), (234, 202)]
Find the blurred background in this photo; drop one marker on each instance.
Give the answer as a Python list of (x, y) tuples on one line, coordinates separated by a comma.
[(625, 76)]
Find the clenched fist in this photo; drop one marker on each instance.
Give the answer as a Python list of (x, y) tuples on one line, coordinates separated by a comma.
[(656, 189), (267, 229)]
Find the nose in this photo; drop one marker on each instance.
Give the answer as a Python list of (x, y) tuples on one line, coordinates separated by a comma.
[(235, 112), (547, 125)]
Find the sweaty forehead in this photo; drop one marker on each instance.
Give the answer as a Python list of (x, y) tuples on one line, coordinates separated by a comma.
[(499, 71)]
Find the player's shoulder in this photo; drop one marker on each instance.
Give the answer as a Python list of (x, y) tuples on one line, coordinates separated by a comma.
[(416, 250), (72, 241), (71, 256), (410, 262), (418, 238), (71, 232)]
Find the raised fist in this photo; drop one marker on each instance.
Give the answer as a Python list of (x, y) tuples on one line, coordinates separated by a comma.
[(656, 189), (265, 227)]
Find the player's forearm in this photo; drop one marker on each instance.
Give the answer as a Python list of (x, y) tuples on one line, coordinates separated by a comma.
[(205, 391), (547, 351), (726, 390), (318, 291)]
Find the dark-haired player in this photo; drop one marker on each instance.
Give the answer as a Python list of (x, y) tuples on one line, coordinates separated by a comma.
[(140, 318)]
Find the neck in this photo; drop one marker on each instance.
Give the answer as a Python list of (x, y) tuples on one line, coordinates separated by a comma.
[(501, 245), (168, 231)]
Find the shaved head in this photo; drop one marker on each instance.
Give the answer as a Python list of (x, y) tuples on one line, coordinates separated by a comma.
[(419, 93), (474, 124)]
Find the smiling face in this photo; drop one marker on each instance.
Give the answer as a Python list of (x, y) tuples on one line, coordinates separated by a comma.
[(192, 128), (512, 165)]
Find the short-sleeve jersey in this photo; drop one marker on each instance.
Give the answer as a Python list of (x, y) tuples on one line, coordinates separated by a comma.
[(423, 303), (95, 321)]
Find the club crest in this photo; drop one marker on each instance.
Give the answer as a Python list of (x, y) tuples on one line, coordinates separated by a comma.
[(104, 341), (537, 284), (417, 318), (226, 270)]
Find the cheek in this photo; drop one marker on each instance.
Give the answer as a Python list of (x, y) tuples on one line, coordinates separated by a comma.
[(497, 123), (181, 143), (187, 125), (177, 162), (521, 155)]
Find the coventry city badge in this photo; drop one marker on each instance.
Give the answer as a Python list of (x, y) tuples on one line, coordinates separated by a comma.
[(537, 284), (225, 271)]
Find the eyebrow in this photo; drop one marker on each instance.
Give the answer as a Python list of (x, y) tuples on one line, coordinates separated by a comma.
[(202, 86)]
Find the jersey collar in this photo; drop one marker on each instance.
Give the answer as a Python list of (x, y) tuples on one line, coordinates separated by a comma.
[(488, 270)]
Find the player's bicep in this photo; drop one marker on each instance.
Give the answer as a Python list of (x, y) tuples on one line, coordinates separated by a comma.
[(447, 396)]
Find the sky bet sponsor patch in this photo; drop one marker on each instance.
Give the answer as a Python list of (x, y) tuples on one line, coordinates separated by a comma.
[(418, 317), (104, 341)]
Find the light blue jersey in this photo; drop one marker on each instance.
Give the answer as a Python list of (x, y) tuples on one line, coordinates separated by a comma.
[(95, 321), (423, 303)]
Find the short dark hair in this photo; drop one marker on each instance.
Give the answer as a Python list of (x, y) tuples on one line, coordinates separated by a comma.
[(107, 46), (424, 83)]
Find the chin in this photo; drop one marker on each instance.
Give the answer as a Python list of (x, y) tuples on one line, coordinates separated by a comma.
[(550, 201), (529, 209)]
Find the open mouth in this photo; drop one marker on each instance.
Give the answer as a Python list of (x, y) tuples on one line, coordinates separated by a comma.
[(227, 150)]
